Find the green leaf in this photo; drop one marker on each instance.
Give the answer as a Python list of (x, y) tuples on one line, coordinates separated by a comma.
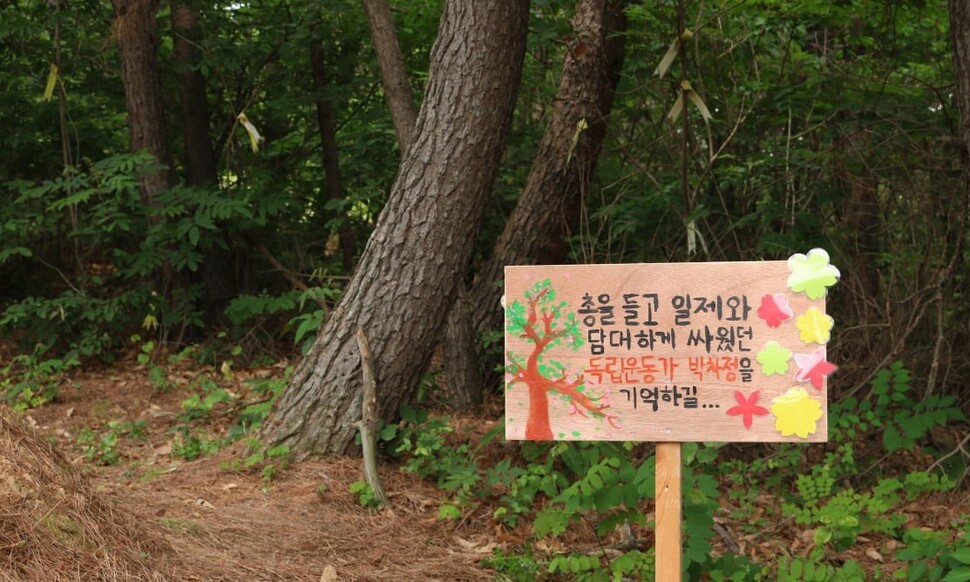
[(448, 511), (550, 521), (891, 439), (917, 571), (9, 252), (822, 536), (958, 575)]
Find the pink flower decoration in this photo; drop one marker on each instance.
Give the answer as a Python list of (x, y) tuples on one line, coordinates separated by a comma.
[(775, 309), (813, 367)]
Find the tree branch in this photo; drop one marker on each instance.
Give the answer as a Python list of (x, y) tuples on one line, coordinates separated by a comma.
[(529, 329), (958, 449), (583, 404), (287, 274)]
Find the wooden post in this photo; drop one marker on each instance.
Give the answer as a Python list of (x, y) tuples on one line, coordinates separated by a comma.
[(668, 537)]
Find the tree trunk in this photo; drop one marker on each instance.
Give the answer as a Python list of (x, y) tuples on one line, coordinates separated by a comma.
[(218, 278), (137, 34), (548, 208), (394, 76), (200, 159), (463, 373), (331, 165), (422, 244)]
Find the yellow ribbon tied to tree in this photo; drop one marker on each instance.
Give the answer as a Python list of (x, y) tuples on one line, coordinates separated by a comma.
[(254, 137)]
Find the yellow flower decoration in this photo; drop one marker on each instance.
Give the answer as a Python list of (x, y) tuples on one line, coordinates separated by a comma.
[(796, 413), (815, 326)]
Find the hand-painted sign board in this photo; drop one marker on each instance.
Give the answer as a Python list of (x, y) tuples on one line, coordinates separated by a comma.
[(729, 351)]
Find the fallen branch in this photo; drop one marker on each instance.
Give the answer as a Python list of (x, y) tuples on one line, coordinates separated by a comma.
[(287, 274), (727, 538), (958, 449)]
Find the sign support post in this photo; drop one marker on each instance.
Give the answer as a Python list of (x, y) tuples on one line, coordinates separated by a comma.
[(668, 531)]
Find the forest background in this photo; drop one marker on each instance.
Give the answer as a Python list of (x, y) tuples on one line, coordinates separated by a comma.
[(206, 181)]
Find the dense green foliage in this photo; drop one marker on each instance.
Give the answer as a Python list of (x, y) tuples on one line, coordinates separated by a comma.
[(843, 502), (833, 124)]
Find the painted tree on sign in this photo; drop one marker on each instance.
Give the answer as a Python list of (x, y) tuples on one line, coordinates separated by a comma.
[(542, 322)]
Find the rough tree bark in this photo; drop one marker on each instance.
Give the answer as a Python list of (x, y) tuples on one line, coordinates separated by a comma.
[(464, 380), (218, 278), (394, 76), (422, 244), (331, 164), (463, 377), (548, 208), (137, 34)]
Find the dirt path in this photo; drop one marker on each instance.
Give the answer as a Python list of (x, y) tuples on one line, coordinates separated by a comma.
[(232, 524), (214, 520)]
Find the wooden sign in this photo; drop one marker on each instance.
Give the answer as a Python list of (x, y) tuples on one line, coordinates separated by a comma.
[(730, 351)]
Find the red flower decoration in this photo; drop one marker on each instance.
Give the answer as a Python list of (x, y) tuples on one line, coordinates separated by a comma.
[(775, 309), (747, 407)]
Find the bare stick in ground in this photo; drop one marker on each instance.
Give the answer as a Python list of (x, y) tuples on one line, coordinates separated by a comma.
[(368, 420)]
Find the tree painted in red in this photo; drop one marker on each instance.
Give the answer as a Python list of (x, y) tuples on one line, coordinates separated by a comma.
[(540, 321)]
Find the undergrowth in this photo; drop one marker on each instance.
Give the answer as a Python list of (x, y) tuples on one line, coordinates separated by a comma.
[(845, 500), (210, 399)]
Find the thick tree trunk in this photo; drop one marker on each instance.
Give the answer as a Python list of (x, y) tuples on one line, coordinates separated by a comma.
[(422, 244), (463, 374), (548, 208), (331, 165), (137, 33), (394, 75), (218, 278)]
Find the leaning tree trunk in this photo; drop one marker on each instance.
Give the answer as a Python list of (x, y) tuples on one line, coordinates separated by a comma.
[(463, 376), (548, 208), (422, 244), (137, 33)]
